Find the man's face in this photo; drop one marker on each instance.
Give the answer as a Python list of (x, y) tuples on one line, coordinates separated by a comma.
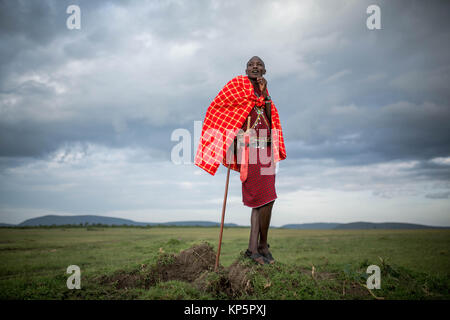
[(255, 68)]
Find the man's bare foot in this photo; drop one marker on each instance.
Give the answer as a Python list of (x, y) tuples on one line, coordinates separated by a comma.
[(256, 257), (264, 251), (259, 259)]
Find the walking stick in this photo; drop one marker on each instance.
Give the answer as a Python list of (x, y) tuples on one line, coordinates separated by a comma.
[(223, 219), (224, 206)]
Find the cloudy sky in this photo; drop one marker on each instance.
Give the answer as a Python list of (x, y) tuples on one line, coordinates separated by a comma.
[(87, 116)]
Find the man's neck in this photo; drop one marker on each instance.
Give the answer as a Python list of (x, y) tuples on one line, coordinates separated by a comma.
[(253, 81)]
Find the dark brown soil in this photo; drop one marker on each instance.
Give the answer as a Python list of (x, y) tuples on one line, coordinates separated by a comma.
[(187, 266), (194, 265), (239, 279)]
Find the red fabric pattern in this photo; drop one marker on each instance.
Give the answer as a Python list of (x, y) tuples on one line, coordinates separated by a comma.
[(245, 155), (259, 187), (224, 117)]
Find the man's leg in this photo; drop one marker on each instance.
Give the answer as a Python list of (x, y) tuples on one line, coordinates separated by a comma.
[(254, 235), (254, 231), (265, 213)]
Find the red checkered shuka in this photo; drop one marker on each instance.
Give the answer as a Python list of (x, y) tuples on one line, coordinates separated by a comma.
[(224, 117)]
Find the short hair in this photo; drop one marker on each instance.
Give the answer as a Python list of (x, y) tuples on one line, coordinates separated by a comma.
[(257, 58)]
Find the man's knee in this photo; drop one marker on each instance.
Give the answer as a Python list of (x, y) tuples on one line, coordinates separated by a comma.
[(266, 206), (270, 204)]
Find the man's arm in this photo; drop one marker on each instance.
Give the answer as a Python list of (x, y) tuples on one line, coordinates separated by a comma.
[(262, 82)]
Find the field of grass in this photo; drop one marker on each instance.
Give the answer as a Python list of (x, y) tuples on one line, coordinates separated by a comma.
[(415, 264)]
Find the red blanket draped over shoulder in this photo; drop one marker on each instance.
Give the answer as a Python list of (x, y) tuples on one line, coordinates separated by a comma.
[(224, 117)]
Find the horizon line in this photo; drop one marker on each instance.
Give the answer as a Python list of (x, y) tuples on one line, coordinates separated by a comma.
[(274, 226)]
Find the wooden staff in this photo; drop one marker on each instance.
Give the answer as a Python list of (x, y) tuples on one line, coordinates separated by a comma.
[(223, 219), (223, 208)]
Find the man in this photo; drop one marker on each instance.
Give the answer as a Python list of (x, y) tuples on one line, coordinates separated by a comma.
[(261, 200), (245, 103)]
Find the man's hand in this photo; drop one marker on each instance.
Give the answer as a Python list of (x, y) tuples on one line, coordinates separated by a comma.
[(262, 84)]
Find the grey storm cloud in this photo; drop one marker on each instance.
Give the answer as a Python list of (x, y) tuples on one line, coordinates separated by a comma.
[(344, 92), (402, 64), (438, 195)]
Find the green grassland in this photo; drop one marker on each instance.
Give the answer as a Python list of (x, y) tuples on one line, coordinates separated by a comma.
[(415, 264)]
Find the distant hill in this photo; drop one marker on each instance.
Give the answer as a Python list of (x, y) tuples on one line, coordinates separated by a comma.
[(359, 225), (384, 225), (51, 220), (76, 220), (6, 225)]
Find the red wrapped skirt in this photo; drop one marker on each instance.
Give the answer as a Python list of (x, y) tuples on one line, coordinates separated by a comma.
[(259, 188)]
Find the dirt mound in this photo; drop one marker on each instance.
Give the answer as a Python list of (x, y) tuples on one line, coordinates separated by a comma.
[(238, 276), (230, 282), (194, 265), (187, 266)]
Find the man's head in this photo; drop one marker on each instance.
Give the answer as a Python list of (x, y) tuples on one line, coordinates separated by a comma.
[(255, 68)]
